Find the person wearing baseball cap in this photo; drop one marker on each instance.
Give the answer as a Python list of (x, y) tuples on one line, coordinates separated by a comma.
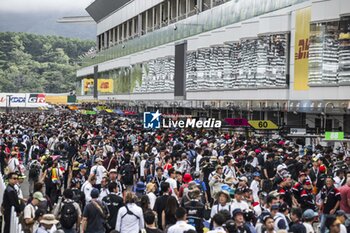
[(99, 171), (238, 202), (308, 219), (321, 179), (29, 212), (307, 200), (281, 218), (238, 218), (298, 187), (255, 186)]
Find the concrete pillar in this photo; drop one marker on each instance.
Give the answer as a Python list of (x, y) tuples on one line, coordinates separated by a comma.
[(123, 30), (139, 25), (169, 11), (105, 39), (146, 21), (187, 7), (199, 5), (133, 27), (177, 9), (153, 18)]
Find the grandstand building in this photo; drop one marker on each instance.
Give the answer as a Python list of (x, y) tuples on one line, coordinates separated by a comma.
[(283, 60)]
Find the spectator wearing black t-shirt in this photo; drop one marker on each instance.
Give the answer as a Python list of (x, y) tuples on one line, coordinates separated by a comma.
[(296, 226), (330, 197), (150, 218), (269, 173), (269, 167), (161, 201), (113, 202)]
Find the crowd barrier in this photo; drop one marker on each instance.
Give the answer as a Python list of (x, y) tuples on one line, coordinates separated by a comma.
[(16, 227)]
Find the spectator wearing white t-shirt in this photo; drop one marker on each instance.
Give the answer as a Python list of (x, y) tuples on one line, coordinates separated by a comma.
[(238, 202), (142, 167), (87, 188), (29, 212), (99, 171), (172, 182), (13, 164), (255, 186), (150, 190), (309, 218), (181, 224)]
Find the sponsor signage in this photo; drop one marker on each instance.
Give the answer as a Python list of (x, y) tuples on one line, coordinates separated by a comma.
[(263, 125), (334, 135), (17, 99), (298, 131), (22, 100), (301, 45), (36, 98), (237, 122)]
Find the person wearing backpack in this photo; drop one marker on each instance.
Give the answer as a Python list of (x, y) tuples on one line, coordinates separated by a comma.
[(95, 215), (127, 172), (34, 173), (130, 217), (113, 202), (29, 213), (68, 213)]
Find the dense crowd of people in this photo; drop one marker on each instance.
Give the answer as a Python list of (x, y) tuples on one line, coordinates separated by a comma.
[(112, 175)]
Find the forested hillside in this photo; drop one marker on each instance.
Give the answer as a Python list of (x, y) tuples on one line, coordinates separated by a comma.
[(34, 63)]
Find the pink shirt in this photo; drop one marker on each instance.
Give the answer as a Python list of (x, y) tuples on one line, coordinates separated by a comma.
[(345, 195)]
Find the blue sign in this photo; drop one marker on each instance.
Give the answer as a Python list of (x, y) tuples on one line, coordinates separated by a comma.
[(15, 99), (151, 120)]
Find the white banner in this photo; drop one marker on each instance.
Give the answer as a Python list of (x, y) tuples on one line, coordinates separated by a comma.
[(23, 100)]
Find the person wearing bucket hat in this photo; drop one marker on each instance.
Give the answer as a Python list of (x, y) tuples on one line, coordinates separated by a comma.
[(187, 178), (216, 179), (224, 202), (46, 223)]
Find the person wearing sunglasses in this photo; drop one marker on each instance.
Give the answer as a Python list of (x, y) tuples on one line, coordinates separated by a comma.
[(10, 199)]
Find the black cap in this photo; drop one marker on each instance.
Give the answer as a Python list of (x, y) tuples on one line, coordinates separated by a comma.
[(236, 211)]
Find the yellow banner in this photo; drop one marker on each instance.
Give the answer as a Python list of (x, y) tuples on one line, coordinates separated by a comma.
[(88, 84), (301, 46), (61, 99), (263, 124), (105, 85)]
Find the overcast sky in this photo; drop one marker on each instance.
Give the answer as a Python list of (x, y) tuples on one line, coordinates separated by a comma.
[(43, 5)]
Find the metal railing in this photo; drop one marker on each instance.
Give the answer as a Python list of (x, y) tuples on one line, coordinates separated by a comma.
[(15, 226)]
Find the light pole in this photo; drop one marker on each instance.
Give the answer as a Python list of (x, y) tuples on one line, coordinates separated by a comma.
[(8, 103)]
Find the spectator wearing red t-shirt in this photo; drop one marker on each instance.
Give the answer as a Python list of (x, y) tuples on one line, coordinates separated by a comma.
[(345, 197)]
